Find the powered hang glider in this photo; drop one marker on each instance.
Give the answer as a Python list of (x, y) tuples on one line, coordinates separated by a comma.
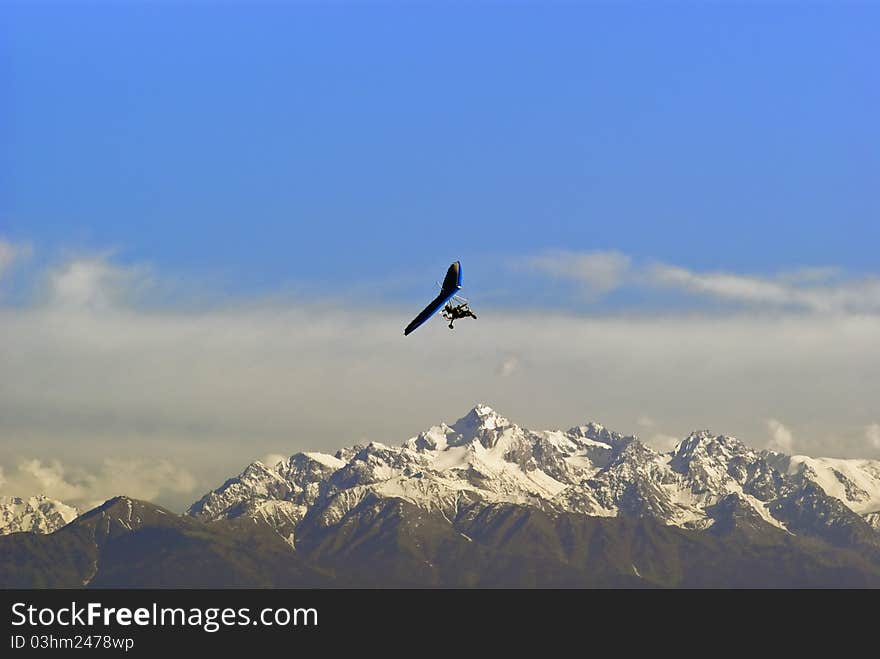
[(453, 310)]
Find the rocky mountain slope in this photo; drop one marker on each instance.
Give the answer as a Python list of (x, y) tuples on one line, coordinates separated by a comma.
[(390, 542), (130, 543)]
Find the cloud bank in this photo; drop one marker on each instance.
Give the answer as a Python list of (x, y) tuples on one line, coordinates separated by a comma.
[(101, 395), (138, 478)]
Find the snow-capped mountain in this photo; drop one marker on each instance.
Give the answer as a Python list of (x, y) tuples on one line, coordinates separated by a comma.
[(852, 481), (37, 514), (280, 494), (483, 502), (483, 459)]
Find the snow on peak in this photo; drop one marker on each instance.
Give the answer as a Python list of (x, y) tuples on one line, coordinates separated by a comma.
[(596, 432), (855, 482), (38, 514), (481, 424), (705, 442), (481, 417), (326, 459), (693, 440)]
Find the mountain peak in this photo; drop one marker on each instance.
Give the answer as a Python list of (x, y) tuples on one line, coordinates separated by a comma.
[(705, 447), (482, 424), (591, 430), (699, 437), (122, 514), (690, 443), (480, 417), (118, 505)]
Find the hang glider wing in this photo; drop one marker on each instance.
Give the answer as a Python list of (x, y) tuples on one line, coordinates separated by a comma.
[(451, 285)]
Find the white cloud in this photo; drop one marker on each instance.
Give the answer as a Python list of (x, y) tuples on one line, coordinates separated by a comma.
[(7, 255), (645, 422), (96, 283), (597, 272), (732, 287), (811, 275), (272, 459), (662, 443), (10, 253), (781, 439), (825, 290), (509, 365), (137, 478), (48, 479), (807, 289), (872, 434)]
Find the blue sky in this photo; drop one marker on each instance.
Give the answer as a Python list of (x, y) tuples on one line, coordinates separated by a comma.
[(217, 218), (292, 142)]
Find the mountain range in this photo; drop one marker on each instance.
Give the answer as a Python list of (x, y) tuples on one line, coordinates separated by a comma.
[(484, 502)]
